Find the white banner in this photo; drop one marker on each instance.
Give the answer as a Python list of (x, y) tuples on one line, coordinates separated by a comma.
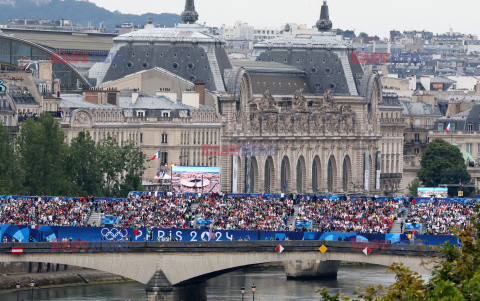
[(235, 174)]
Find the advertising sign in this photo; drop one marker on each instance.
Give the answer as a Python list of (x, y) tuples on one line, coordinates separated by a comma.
[(195, 179)]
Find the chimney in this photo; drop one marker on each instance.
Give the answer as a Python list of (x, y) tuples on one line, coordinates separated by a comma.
[(135, 96), (191, 98), (200, 89)]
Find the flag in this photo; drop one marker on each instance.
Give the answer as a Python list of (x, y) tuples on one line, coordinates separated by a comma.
[(156, 156), (17, 251), (34, 227), (160, 174), (448, 127)]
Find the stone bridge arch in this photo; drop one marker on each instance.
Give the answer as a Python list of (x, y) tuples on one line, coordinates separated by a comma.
[(162, 266)]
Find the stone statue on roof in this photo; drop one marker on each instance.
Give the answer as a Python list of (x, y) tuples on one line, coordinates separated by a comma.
[(268, 102), (299, 101), (328, 100)]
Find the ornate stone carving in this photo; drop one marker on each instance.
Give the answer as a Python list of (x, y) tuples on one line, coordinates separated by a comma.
[(82, 119), (348, 119), (285, 124), (328, 100), (301, 123), (269, 123), (255, 122), (299, 102), (268, 103)]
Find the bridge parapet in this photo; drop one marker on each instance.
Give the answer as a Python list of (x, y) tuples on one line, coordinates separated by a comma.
[(219, 247)]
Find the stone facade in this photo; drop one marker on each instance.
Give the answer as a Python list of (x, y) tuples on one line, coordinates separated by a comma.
[(322, 143)]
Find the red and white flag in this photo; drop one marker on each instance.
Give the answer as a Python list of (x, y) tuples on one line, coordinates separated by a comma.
[(279, 249), (367, 251), (17, 251), (34, 227)]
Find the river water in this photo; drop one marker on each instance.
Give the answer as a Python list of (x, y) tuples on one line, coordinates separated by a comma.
[(271, 285)]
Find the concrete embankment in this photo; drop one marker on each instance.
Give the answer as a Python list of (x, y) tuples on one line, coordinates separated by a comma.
[(54, 279), (49, 274)]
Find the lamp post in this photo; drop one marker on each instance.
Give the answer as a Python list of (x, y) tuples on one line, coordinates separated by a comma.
[(32, 285), (18, 290), (254, 288), (243, 291)]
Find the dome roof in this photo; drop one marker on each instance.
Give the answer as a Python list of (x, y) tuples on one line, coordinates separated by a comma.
[(326, 58), (186, 33)]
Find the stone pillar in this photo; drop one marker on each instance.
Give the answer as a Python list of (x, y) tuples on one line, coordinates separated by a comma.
[(158, 286), (311, 269)]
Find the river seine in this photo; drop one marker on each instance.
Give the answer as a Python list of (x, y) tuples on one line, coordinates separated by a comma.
[(271, 285)]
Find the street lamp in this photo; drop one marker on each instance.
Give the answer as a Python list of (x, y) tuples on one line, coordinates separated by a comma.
[(32, 285), (254, 288), (18, 290), (243, 291)]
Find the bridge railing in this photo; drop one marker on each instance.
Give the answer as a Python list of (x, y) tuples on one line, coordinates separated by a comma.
[(218, 247)]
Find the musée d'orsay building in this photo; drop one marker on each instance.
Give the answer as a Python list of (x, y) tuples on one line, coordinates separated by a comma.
[(304, 116)]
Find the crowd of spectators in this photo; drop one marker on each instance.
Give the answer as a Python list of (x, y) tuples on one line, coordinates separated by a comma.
[(54, 212), (145, 211), (440, 218), (346, 215), (240, 213), (245, 213)]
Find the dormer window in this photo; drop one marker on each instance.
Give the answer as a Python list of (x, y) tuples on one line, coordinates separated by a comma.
[(140, 113), (165, 114)]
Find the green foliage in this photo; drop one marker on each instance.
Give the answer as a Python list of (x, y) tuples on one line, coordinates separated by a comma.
[(83, 165), (443, 163), (412, 188), (9, 176), (42, 156), (43, 164), (455, 277), (81, 12), (363, 35), (121, 166)]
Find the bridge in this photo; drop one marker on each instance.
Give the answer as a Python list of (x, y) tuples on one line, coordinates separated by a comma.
[(164, 265)]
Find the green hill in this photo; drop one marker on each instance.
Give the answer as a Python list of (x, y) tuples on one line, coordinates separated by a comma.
[(80, 12)]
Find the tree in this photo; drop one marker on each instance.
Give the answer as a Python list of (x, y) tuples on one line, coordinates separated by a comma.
[(363, 35), (42, 157), (134, 167), (443, 163), (455, 277), (121, 167), (412, 188), (9, 173), (83, 165)]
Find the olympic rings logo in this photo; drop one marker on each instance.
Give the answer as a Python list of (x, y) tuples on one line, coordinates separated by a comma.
[(113, 233)]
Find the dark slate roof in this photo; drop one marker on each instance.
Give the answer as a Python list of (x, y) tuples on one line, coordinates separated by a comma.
[(279, 83), (325, 59), (419, 108), (185, 50), (463, 119), (21, 97)]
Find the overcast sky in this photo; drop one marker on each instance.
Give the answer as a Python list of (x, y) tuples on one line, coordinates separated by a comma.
[(371, 16)]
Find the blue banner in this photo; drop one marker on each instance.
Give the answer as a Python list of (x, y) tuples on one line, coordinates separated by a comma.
[(9, 233)]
